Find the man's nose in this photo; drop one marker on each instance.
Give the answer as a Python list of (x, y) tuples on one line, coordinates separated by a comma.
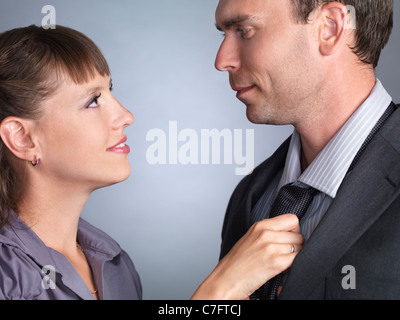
[(228, 58)]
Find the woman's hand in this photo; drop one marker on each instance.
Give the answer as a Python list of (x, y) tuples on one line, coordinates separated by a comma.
[(267, 249)]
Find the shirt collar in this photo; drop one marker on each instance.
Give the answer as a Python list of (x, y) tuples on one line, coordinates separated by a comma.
[(98, 247), (93, 239), (90, 238), (329, 168)]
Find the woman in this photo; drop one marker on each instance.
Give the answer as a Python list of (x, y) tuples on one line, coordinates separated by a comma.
[(62, 137)]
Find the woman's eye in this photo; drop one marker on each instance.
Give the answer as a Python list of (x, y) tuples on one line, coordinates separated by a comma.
[(94, 103)]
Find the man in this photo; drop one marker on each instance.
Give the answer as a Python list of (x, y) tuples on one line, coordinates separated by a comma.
[(311, 63)]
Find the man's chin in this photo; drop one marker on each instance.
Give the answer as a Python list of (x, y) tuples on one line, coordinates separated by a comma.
[(253, 119), (257, 116), (254, 116)]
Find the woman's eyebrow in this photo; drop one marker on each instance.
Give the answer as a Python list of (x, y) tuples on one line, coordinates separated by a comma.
[(97, 88)]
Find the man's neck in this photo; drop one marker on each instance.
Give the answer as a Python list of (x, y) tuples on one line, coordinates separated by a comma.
[(340, 104)]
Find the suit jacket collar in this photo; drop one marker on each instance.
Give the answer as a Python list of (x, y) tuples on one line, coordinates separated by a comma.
[(362, 198)]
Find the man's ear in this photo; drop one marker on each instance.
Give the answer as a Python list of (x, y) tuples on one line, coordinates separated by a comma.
[(334, 20), (16, 134)]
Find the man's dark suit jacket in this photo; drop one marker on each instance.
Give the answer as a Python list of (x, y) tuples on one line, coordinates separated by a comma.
[(361, 228)]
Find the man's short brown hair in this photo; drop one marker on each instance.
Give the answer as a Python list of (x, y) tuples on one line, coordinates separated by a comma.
[(374, 24)]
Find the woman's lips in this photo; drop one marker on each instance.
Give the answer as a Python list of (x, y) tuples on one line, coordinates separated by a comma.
[(120, 147)]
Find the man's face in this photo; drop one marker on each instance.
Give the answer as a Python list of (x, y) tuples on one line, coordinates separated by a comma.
[(271, 59)]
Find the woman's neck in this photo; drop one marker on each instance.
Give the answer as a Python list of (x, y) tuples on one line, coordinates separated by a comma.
[(53, 214)]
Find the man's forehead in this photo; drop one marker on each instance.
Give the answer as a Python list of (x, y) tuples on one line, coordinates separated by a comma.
[(229, 12), (228, 7)]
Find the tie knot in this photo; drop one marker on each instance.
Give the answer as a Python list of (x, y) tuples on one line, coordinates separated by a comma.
[(293, 199)]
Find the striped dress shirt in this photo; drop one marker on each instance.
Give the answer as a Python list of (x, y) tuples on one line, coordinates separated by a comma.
[(330, 167)]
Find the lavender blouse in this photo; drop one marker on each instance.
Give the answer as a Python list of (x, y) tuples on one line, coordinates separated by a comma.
[(29, 270)]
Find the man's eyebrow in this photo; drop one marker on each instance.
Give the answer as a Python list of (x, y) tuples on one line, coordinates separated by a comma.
[(234, 21)]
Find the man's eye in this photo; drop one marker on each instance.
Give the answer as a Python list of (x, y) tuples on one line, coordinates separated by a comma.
[(243, 32)]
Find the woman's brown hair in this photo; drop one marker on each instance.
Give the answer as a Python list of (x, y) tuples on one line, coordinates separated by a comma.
[(32, 60)]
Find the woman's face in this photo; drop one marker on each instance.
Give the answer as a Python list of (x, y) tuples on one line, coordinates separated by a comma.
[(81, 135)]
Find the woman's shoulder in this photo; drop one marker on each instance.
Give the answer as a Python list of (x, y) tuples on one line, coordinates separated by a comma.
[(20, 277)]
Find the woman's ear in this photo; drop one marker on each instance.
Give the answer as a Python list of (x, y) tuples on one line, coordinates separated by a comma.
[(16, 134), (334, 18)]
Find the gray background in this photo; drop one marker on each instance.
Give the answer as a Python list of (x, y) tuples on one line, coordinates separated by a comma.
[(161, 53)]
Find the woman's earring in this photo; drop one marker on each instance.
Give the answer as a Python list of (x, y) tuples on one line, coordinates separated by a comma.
[(35, 162)]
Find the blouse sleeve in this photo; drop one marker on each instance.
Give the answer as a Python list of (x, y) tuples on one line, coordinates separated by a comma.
[(20, 277)]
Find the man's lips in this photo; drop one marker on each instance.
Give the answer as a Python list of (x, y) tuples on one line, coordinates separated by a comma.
[(242, 90), (120, 147)]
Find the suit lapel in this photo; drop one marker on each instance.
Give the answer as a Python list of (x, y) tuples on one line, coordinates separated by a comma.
[(364, 195), (238, 218), (268, 171)]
